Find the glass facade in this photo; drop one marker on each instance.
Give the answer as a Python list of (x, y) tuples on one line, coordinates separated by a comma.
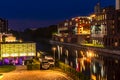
[(17, 49)]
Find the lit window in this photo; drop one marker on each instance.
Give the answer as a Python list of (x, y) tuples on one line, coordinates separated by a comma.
[(116, 43), (76, 19), (102, 17), (66, 24), (76, 24), (83, 21), (70, 23), (73, 18), (105, 16)]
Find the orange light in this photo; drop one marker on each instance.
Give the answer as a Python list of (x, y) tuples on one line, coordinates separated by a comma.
[(88, 60), (93, 77), (93, 15), (76, 19)]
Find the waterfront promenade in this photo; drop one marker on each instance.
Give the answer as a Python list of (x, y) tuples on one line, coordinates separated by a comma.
[(101, 49)]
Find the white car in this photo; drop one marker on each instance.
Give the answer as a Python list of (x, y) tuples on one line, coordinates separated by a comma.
[(51, 62), (50, 59), (45, 64)]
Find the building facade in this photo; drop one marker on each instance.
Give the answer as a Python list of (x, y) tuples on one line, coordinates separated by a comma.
[(74, 29), (3, 26), (112, 40), (102, 24), (16, 52)]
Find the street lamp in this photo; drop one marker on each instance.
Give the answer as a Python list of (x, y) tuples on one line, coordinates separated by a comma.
[(54, 49)]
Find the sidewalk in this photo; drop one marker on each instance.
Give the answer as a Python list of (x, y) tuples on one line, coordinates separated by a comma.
[(70, 76)]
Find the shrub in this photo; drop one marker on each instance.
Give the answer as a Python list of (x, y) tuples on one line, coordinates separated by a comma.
[(7, 68), (33, 64), (33, 67), (76, 75)]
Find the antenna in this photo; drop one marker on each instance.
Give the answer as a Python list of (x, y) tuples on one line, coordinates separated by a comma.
[(99, 1)]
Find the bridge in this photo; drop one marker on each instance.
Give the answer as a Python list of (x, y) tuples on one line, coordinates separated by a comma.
[(102, 63)]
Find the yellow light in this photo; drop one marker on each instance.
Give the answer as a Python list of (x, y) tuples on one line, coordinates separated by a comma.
[(93, 15), (93, 77), (17, 49), (23, 54), (88, 60), (53, 48), (90, 54), (31, 54)]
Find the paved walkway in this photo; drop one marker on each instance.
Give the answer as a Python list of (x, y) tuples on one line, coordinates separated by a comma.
[(21, 73)]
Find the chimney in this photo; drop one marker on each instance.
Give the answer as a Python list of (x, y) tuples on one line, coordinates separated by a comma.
[(117, 4)]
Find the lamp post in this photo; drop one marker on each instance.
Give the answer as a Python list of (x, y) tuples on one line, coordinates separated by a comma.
[(54, 49)]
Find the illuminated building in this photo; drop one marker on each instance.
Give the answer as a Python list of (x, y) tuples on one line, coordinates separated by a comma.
[(10, 39), (4, 37), (13, 51), (112, 40), (17, 51), (102, 24), (3, 26), (72, 29)]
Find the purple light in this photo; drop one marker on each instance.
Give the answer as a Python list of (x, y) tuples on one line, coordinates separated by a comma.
[(6, 61)]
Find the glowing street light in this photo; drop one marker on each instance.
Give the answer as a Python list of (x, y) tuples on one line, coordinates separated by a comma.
[(54, 49)]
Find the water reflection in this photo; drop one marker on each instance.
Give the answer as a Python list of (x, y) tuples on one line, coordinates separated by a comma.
[(97, 70), (100, 66)]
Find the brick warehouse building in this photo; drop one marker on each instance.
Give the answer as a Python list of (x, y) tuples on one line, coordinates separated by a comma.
[(113, 39)]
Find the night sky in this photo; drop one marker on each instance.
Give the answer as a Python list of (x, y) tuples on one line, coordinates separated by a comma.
[(22, 14)]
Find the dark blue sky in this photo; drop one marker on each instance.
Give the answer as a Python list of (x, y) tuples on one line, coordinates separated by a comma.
[(23, 14)]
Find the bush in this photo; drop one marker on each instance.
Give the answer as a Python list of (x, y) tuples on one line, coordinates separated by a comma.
[(7, 68), (33, 64), (29, 67), (27, 62), (76, 75), (33, 67)]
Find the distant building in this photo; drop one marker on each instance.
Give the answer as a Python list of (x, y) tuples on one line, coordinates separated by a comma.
[(3, 26), (6, 37), (102, 24), (16, 52), (112, 40), (13, 51), (10, 38), (100, 28), (72, 30)]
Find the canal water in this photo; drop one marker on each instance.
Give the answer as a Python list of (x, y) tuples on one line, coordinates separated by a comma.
[(101, 66)]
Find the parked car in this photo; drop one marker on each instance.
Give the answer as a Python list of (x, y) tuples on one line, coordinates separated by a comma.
[(50, 59), (45, 64)]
